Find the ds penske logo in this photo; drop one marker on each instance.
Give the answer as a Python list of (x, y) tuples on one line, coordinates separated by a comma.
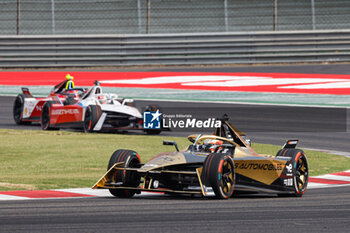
[(38, 108), (65, 111)]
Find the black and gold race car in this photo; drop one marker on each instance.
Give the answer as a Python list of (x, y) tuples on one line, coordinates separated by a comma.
[(223, 162)]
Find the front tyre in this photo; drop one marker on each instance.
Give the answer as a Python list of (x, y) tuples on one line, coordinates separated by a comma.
[(128, 178), (18, 106), (92, 114), (219, 173), (300, 170)]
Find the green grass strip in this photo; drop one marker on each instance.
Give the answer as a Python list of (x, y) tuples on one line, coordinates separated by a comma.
[(32, 159)]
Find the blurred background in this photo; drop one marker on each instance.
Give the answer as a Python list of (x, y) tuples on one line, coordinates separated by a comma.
[(67, 17)]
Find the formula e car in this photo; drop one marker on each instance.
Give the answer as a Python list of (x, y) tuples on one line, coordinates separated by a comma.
[(94, 111), (27, 109), (223, 162)]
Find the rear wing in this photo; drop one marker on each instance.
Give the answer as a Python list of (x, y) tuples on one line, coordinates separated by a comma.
[(227, 130), (26, 91), (224, 119)]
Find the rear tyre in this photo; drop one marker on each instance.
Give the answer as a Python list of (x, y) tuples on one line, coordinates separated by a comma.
[(91, 117), (219, 173), (153, 108), (45, 117), (18, 110), (128, 178), (300, 171)]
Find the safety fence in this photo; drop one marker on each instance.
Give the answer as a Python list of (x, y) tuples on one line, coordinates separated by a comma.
[(179, 49), (76, 17)]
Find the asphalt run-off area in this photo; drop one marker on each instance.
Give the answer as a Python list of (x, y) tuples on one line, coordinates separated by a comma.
[(254, 87), (325, 207)]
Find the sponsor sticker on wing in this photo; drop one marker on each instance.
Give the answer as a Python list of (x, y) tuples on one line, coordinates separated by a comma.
[(288, 182)]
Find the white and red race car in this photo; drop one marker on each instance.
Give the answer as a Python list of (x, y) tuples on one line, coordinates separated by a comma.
[(27, 109), (95, 111), (89, 109)]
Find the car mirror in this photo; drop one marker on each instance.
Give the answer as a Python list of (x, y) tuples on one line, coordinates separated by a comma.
[(127, 101), (170, 143)]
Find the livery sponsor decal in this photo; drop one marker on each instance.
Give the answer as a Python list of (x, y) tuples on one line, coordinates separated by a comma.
[(288, 182), (29, 107), (38, 108), (257, 166), (65, 111), (265, 171), (168, 158)]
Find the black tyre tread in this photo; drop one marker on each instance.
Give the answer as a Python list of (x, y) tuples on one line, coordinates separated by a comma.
[(210, 173), (93, 111), (18, 120), (293, 153), (43, 112), (206, 169), (124, 156)]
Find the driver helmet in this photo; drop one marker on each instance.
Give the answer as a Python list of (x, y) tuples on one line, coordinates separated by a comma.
[(69, 77), (213, 145), (102, 99)]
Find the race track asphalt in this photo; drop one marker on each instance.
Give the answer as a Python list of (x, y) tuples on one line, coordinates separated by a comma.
[(319, 210), (320, 128)]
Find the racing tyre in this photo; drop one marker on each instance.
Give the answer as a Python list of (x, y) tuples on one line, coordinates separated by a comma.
[(152, 108), (45, 117), (300, 171), (92, 114), (18, 110), (219, 173), (129, 178)]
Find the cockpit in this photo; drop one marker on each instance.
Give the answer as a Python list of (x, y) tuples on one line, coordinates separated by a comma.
[(226, 139), (211, 144)]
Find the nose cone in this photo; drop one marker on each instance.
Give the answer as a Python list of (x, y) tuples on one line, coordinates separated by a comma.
[(163, 160)]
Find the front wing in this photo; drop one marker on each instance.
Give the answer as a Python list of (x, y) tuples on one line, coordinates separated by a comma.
[(147, 180), (191, 181)]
